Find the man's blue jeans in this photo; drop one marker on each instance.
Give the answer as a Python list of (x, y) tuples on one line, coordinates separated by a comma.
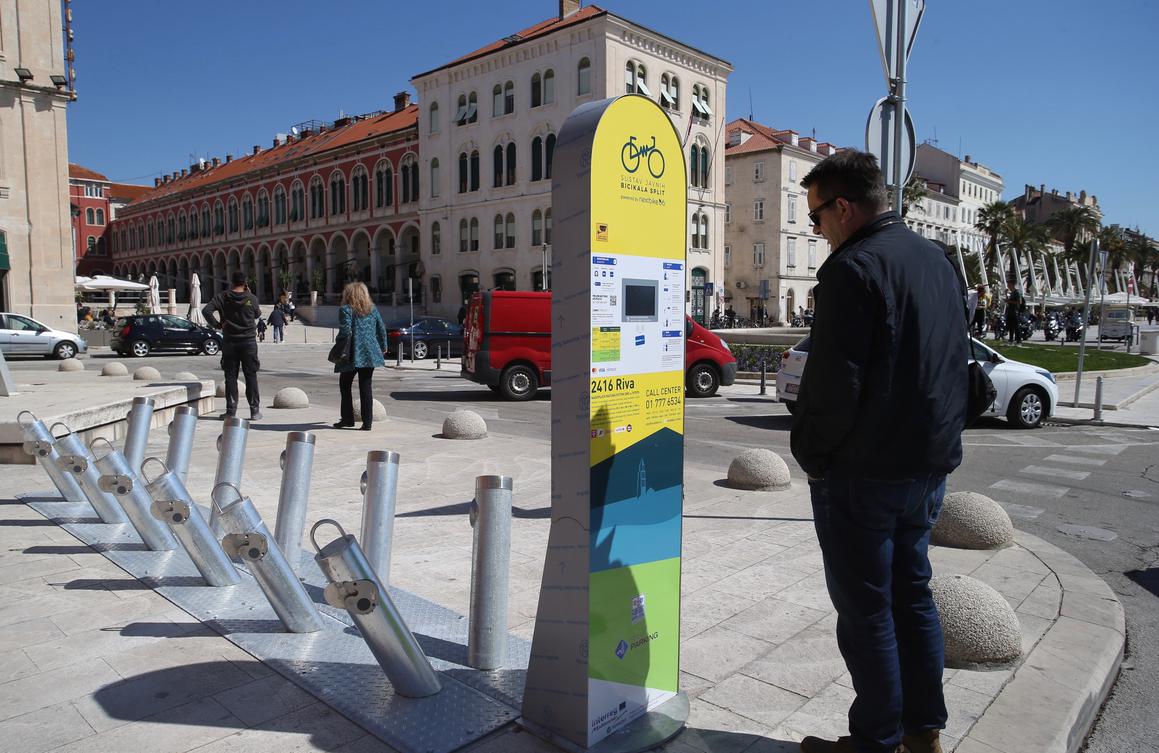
[(874, 536)]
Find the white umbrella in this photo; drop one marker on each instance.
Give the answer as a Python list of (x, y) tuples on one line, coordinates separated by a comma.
[(106, 283), (195, 314), (154, 296)]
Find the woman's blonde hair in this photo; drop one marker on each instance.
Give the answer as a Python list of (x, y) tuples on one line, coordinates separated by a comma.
[(356, 296)]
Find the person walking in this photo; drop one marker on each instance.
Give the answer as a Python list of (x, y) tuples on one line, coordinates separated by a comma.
[(239, 314), (359, 319), (979, 322), (1014, 306), (278, 321), (878, 427)]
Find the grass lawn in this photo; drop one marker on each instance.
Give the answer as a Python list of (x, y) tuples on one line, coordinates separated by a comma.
[(1059, 358)]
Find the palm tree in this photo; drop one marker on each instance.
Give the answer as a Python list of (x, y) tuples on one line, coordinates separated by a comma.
[(1141, 252), (1073, 227), (911, 195), (1026, 240), (993, 220), (1113, 243)]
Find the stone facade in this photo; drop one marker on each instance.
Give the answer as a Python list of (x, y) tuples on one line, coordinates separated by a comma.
[(489, 119), (36, 273), (772, 253)]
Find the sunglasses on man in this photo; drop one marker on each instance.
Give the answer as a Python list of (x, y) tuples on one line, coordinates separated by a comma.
[(815, 215)]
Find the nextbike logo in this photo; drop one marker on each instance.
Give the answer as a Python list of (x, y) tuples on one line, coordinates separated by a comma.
[(632, 155)]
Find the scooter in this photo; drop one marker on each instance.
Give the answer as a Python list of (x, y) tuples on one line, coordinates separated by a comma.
[(998, 326), (1074, 328), (1051, 327)]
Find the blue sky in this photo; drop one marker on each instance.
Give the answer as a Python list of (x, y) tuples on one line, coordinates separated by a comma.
[(1060, 92)]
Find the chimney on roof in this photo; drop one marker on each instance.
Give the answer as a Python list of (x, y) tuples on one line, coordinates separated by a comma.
[(184, 172), (1069, 196), (257, 148), (1042, 189), (216, 161), (968, 162), (1094, 200), (568, 7), (1082, 197), (156, 182), (228, 158), (401, 101)]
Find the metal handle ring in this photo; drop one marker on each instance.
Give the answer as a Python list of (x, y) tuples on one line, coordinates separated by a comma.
[(23, 425), (282, 460), (93, 444), (213, 496), (52, 429), (146, 462), (314, 540)]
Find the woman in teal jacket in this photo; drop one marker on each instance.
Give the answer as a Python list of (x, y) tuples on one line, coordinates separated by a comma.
[(358, 318)]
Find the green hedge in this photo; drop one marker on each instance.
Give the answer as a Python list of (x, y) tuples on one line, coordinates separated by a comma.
[(748, 357)]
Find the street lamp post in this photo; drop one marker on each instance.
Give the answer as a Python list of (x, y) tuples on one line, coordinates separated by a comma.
[(543, 269)]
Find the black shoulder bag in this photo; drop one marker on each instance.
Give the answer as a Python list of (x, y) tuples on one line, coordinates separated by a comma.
[(342, 352)]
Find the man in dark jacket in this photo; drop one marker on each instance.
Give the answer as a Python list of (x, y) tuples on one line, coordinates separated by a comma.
[(239, 314), (878, 426)]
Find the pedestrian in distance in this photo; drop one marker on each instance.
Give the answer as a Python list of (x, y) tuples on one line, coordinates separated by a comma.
[(979, 322), (878, 427), (359, 320), (236, 313), (278, 322), (1014, 306), (261, 330)]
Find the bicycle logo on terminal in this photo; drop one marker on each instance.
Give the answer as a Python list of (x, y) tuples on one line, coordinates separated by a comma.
[(632, 155)]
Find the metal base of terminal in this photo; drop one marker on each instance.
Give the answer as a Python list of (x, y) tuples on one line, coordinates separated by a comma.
[(335, 665), (655, 728)]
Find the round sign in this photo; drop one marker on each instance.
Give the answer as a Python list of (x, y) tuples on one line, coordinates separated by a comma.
[(879, 140)]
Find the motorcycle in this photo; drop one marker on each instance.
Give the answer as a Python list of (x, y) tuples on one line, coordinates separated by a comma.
[(1025, 327), (998, 326), (1074, 328), (1051, 327)]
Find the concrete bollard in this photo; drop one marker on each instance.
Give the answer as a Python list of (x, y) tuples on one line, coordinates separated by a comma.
[(355, 588), (120, 480), (76, 459), (297, 464), (230, 460), (41, 444), (181, 431), (173, 505), (140, 420), (490, 568), (248, 539), (1098, 399), (379, 489)]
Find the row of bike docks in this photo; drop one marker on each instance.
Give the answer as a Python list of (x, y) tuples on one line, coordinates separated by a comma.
[(150, 494)]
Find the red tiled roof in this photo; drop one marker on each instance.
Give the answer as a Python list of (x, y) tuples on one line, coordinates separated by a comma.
[(83, 173), (763, 138), (552, 24), (127, 191), (315, 143)]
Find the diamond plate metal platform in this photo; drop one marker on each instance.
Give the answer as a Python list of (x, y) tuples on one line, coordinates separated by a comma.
[(334, 665)]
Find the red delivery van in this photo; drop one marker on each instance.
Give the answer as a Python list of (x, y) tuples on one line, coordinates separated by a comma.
[(507, 346)]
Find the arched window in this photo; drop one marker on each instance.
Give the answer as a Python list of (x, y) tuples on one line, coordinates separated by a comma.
[(548, 86), (247, 211), (547, 226), (152, 237), (670, 92), (90, 217), (100, 216), (359, 189), (509, 97), (436, 239), (694, 164), (474, 233), (279, 206), (704, 230), (475, 170), (205, 226), (383, 186), (218, 219), (536, 228), (193, 224), (433, 117), (263, 208), (583, 77), (636, 79), (436, 289), (464, 238), (317, 198), (464, 172), (92, 243), (498, 231), (497, 101), (700, 108), (181, 227), (232, 211), (536, 89), (337, 194), (472, 107), (171, 229), (509, 225), (548, 154), (703, 166), (497, 166), (461, 111), (297, 202), (434, 177), (510, 174), (536, 159)]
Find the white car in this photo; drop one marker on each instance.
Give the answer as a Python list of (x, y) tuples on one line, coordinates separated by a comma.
[(23, 336), (1026, 394)]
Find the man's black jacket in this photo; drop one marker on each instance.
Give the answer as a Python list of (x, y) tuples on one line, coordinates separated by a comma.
[(883, 394)]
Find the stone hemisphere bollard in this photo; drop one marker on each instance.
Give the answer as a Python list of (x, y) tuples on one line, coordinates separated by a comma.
[(979, 626), (146, 374), (464, 424), (291, 398), (379, 412), (71, 365), (758, 470), (116, 368), (221, 389), (185, 376), (972, 521)]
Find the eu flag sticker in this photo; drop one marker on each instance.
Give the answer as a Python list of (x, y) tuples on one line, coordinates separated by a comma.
[(639, 339)]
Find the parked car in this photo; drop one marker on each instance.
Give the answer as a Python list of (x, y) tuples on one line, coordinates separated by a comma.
[(429, 334), (24, 336), (1026, 394), (140, 335), (507, 346)]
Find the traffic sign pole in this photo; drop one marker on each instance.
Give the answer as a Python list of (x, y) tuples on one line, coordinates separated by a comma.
[(900, 50)]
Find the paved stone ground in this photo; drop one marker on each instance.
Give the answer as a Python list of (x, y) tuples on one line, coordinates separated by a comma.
[(759, 658)]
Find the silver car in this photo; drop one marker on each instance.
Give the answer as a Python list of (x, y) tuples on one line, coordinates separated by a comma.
[(23, 336)]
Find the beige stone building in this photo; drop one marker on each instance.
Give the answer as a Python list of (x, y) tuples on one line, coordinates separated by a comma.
[(36, 254), (487, 128), (771, 253)]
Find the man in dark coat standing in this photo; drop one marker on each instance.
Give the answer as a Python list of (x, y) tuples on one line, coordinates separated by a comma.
[(239, 314), (878, 426)]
